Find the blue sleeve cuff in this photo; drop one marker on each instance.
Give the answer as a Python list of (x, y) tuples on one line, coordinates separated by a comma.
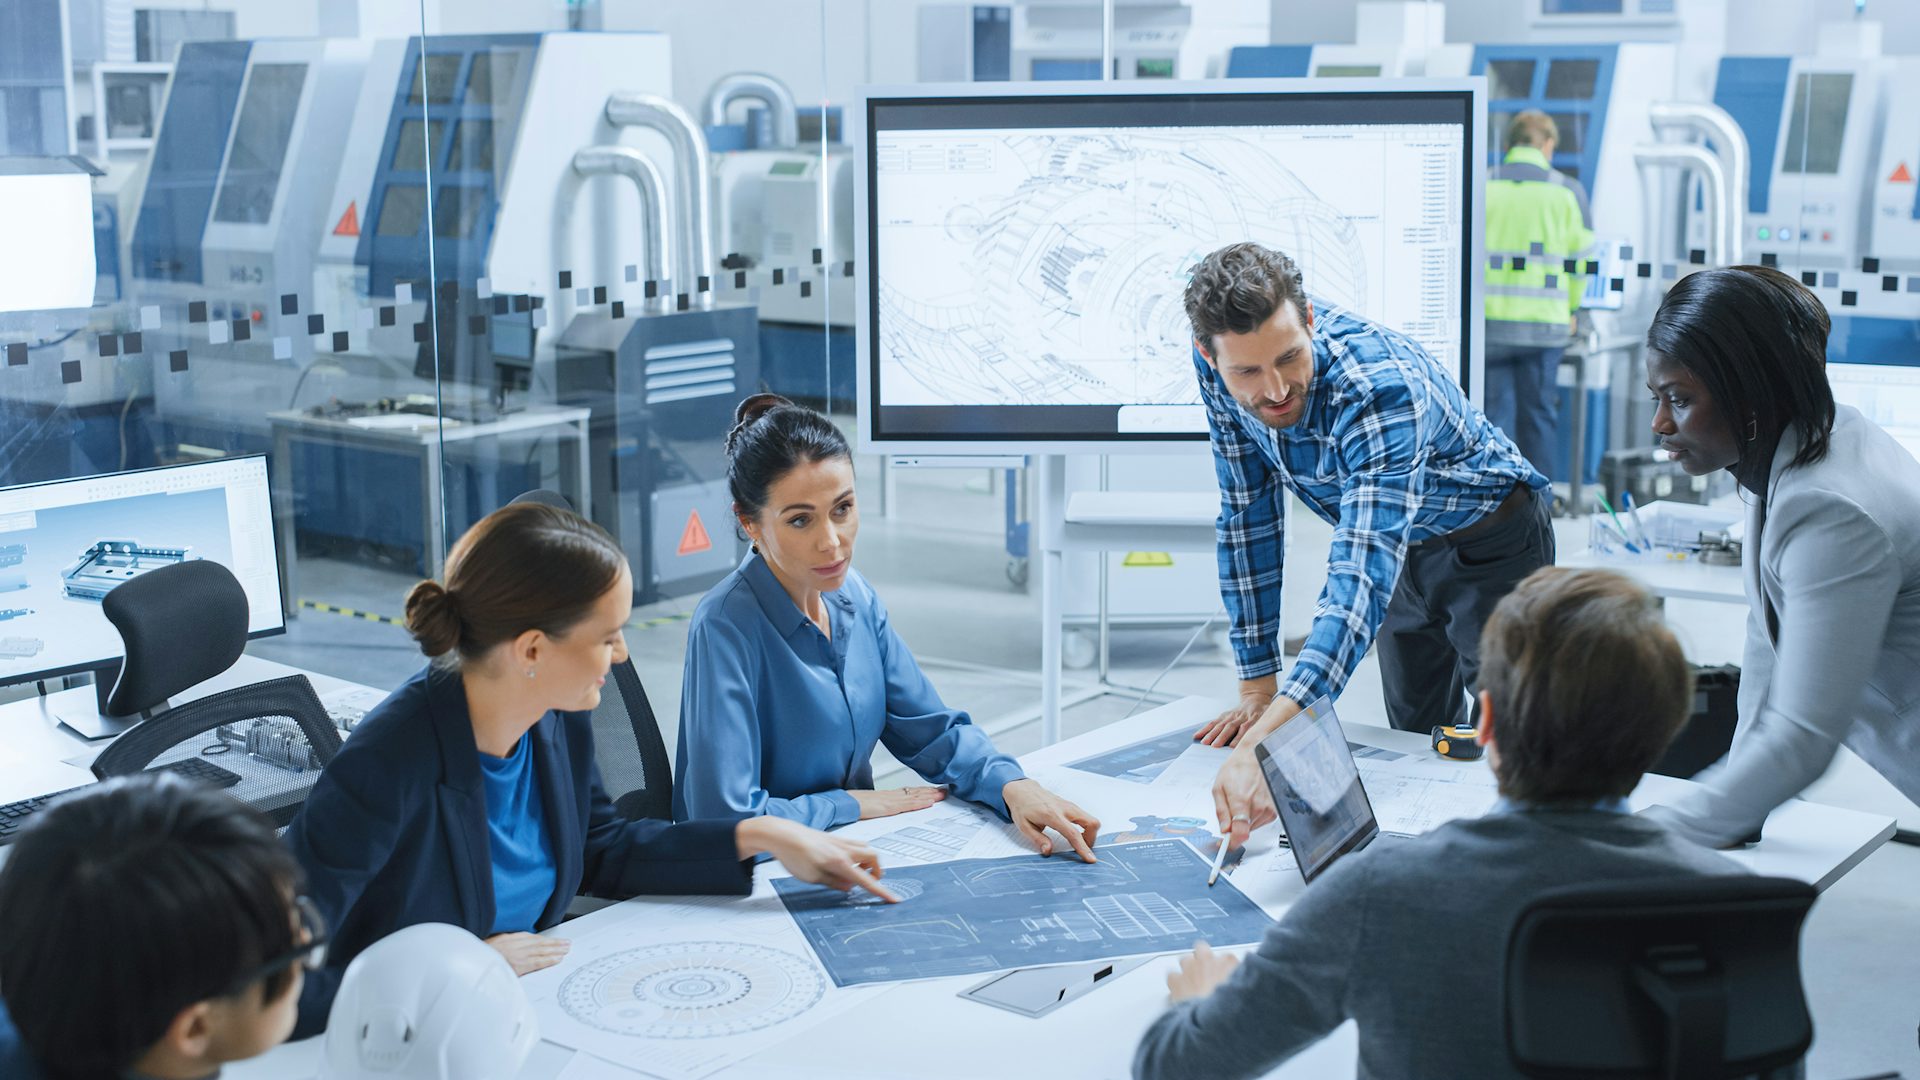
[(846, 808), (993, 780)]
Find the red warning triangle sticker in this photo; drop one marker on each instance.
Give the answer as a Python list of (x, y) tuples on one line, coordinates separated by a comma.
[(349, 224), (1900, 175), (694, 539)]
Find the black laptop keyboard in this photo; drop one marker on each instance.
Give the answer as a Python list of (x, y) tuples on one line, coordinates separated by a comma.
[(15, 815)]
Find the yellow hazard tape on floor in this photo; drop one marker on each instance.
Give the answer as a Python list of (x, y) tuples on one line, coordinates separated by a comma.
[(1147, 558), (368, 616), (388, 620)]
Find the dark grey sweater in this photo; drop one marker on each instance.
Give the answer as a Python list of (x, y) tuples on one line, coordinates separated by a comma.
[(1363, 945)]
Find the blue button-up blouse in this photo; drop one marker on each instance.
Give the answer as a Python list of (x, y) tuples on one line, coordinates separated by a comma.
[(775, 718)]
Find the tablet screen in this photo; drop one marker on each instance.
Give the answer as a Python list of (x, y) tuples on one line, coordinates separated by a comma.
[(1310, 773)]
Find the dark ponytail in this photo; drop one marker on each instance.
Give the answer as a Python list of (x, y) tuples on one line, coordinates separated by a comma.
[(770, 437), (526, 566)]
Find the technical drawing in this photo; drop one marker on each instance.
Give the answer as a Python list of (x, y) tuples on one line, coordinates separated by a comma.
[(1053, 274), (978, 915), (940, 837), (905, 937), (691, 990), (1056, 875), (903, 889), (1140, 762)]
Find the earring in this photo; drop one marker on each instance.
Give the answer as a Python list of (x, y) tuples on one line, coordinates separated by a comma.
[(529, 673), (1753, 428)]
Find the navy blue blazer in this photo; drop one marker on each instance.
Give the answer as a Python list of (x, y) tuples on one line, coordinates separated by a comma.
[(395, 831)]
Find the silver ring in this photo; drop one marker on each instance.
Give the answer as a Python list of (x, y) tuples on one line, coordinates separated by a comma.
[(1242, 817)]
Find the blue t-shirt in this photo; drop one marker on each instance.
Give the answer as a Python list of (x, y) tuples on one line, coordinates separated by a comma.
[(523, 874)]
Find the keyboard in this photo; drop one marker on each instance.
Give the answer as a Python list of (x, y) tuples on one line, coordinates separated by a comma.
[(202, 771), (15, 815)]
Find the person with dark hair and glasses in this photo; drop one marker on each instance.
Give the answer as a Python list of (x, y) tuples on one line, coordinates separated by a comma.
[(794, 673), (1436, 514), (1736, 362), (470, 796), (149, 927), (1582, 687)]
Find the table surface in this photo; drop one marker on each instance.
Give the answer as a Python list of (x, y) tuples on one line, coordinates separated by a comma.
[(1686, 579), (1094, 1036)]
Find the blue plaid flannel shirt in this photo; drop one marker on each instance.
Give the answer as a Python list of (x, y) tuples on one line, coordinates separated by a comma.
[(1389, 451)]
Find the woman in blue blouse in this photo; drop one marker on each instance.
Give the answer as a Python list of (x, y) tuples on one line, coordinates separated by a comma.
[(794, 673), (470, 795)]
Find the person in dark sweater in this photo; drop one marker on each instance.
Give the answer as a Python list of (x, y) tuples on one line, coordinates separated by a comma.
[(153, 930), (1582, 688)]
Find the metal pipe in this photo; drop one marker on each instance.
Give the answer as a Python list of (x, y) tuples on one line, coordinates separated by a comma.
[(656, 212), (692, 174), (1686, 156), (763, 88), (1730, 142)]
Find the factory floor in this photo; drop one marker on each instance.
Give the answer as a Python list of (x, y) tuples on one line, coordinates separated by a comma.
[(938, 562)]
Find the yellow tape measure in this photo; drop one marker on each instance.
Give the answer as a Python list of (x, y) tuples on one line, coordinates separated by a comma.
[(1458, 743)]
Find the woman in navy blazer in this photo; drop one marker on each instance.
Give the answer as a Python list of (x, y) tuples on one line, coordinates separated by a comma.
[(470, 795)]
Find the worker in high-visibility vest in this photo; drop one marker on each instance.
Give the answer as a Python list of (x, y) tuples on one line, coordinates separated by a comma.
[(1537, 220)]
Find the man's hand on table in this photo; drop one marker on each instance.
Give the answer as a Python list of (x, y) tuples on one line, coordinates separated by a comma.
[(1240, 799)]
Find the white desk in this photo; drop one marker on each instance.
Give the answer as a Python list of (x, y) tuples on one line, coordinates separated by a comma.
[(38, 756), (920, 1029), (1687, 579)]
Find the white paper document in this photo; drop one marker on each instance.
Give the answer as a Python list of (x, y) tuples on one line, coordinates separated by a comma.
[(680, 989), (1194, 769), (1414, 805)]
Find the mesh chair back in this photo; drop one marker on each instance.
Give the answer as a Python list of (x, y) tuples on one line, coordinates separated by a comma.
[(266, 744), (1683, 978), (627, 744)]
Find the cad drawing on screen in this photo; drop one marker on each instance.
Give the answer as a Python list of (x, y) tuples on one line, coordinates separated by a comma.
[(1056, 276)]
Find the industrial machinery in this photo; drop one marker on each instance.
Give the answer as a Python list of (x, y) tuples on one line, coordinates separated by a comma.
[(1391, 38), (661, 378), (772, 214), (1039, 40)]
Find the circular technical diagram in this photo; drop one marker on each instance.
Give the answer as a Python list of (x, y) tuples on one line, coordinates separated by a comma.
[(905, 888), (692, 990)]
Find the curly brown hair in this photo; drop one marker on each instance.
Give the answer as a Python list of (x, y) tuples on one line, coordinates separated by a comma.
[(1587, 683), (1238, 288)]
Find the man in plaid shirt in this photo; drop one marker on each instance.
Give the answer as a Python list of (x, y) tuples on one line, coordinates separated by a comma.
[(1436, 514)]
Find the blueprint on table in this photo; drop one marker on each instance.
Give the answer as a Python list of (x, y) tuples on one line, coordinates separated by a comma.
[(1138, 762), (972, 916)]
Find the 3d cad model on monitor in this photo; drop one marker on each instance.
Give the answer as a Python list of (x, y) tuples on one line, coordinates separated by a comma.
[(1026, 252)]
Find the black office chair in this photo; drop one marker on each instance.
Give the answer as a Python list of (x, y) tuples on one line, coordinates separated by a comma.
[(1673, 978), (265, 743), (626, 735)]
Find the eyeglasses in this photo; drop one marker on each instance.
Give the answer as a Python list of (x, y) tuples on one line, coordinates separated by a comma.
[(310, 954)]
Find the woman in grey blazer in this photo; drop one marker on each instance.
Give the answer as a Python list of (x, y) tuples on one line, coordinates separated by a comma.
[(1736, 360)]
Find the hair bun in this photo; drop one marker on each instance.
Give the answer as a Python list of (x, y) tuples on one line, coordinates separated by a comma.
[(433, 618), (749, 410)]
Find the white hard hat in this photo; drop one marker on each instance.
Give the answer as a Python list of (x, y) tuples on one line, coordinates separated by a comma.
[(431, 1002)]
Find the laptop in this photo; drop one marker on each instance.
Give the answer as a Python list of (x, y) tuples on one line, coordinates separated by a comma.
[(1316, 788)]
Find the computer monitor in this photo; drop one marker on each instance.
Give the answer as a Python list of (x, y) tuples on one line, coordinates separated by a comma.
[(1316, 788), (1025, 251), (65, 544)]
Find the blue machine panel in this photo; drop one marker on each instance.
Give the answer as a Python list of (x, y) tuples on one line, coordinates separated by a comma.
[(1062, 70), (980, 915), (1865, 339), (1570, 83), (1269, 61), (456, 113), (1752, 89), (992, 43), (186, 161)]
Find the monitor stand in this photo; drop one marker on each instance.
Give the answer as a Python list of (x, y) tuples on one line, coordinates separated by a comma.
[(86, 715)]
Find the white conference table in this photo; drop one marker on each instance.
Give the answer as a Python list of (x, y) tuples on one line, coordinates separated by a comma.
[(1685, 579), (922, 1030)]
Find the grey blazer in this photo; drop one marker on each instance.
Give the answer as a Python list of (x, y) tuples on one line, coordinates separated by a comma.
[(1833, 631)]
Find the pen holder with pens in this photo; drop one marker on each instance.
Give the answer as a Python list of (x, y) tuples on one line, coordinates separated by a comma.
[(1664, 532)]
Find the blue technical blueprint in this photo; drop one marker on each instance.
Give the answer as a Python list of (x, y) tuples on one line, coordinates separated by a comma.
[(971, 916), (1140, 762)]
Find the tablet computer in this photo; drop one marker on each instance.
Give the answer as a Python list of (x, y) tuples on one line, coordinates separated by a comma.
[(1316, 788)]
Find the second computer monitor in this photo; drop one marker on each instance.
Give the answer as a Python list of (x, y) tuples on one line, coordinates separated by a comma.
[(65, 544)]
